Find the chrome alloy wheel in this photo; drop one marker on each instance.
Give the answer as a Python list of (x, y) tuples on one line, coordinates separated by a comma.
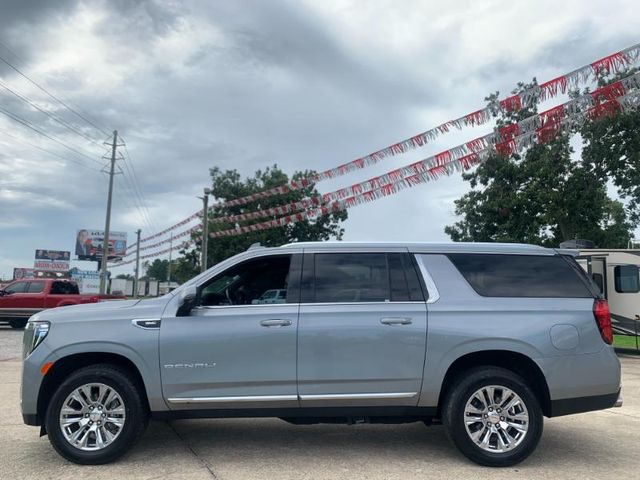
[(92, 416), (496, 419)]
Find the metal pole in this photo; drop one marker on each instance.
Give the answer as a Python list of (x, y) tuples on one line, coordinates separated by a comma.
[(135, 280), (169, 269), (205, 229), (107, 223)]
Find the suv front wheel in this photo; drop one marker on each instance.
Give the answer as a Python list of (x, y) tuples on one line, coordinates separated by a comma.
[(95, 415), (493, 417)]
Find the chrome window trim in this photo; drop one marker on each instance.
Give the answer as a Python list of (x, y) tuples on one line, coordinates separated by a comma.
[(314, 304), (247, 398), (432, 290)]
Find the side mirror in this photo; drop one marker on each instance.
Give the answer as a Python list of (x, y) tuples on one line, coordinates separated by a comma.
[(188, 299)]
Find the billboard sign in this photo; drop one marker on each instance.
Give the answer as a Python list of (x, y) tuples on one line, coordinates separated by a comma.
[(88, 281), (52, 260), (89, 244)]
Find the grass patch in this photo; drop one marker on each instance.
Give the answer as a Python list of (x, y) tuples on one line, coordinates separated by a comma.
[(625, 341)]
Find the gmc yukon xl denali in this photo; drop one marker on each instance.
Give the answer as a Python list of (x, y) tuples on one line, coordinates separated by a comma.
[(484, 338)]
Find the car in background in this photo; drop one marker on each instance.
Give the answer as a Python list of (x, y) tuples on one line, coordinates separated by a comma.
[(271, 296), (21, 299)]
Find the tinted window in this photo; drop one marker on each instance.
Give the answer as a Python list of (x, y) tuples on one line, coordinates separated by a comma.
[(403, 278), (36, 287), (351, 277), (64, 288), (520, 275), (626, 279), (598, 279), (260, 281), (18, 287)]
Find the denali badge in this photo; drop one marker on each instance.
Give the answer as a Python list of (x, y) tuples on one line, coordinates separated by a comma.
[(191, 365)]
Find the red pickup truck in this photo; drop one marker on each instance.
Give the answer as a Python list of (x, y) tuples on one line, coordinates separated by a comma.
[(23, 298)]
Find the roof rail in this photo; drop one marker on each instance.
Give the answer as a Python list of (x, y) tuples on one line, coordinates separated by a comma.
[(253, 246)]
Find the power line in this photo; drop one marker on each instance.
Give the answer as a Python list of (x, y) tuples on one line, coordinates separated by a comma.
[(27, 124), (61, 102), (138, 190), (49, 151), (49, 114)]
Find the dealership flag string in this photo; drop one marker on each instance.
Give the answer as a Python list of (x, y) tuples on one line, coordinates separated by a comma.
[(611, 64), (554, 126)]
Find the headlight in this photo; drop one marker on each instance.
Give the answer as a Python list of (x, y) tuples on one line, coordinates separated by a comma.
[(34, 334)]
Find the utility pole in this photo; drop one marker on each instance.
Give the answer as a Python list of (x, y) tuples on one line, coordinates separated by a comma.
[(169, 268), (107, 223), (135, 280), (205, 229)]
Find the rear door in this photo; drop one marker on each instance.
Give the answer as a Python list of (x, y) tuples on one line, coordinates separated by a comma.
[(362, 330)]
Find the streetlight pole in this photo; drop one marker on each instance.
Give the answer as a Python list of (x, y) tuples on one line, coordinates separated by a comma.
[(169, 268), (135, 280), (205, 229)]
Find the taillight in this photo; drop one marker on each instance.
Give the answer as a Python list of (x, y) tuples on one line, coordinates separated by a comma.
[(603, 319)]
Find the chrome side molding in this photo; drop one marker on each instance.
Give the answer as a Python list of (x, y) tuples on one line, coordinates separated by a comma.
[(292, 398)]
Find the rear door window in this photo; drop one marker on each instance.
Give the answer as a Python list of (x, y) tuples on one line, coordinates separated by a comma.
[(351, 277), (492, 275), (35, 287)]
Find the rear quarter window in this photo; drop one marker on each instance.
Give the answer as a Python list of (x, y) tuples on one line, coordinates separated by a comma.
[(493, 275)]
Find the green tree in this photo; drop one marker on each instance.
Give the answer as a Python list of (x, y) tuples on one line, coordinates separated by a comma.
[(229, 184), (158, 270), (612, 148), (544, 196)]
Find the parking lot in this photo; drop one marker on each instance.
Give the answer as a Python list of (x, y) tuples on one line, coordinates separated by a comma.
[(593, 445)]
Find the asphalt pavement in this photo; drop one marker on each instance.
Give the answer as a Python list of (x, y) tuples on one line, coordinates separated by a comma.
[(603, 444)]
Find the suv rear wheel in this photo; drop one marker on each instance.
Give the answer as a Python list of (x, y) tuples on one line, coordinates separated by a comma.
[(493, 417), (95, 415)]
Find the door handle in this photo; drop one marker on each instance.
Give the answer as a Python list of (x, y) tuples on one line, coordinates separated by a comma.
[(275, 322), (395, 321)]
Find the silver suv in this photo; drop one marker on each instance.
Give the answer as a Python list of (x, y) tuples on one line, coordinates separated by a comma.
[(485, 338)]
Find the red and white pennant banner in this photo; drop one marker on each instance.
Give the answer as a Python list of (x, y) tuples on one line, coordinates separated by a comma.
[(608, 92), (501, 138), (614, 63), (549, 127), (180, 246)]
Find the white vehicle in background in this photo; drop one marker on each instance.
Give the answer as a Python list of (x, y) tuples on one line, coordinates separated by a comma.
[(617, 274), (271, 296)]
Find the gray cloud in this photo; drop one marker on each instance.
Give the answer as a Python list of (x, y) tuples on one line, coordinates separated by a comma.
[(191, 85)]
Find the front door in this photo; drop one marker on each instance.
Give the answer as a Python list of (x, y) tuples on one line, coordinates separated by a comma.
[(238, 347), (362, 331)]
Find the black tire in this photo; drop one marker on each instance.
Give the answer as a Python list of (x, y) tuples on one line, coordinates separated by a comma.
[(453, 416), (137, 415), (18, 323)]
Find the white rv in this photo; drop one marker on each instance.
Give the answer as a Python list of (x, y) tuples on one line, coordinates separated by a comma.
[(617, 274)]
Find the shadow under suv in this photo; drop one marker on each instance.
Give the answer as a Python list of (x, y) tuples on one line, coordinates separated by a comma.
[(486, 338)]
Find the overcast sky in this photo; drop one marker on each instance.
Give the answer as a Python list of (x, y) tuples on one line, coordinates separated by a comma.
[(245, 84)]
